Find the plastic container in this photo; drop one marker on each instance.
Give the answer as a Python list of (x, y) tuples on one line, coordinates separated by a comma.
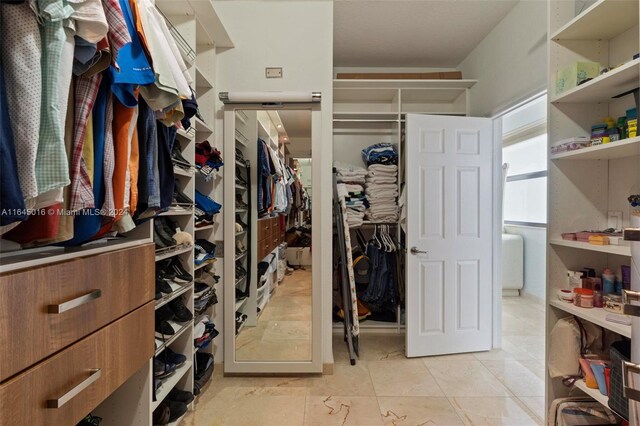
[(597, 299), (583, 297), (608, 281)]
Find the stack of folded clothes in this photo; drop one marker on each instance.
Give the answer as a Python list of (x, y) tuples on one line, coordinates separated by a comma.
[(205, 209), (208, 159), (350, 180), (205, 251), (381, 182)]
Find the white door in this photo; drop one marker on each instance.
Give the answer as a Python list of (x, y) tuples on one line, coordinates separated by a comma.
[(449, 240)]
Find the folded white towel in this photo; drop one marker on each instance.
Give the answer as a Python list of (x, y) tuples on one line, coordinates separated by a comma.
[(381, 179), (344, 167), (354, 188), (383, 167)]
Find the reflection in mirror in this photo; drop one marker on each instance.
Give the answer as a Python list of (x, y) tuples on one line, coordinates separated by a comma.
[(273, 235)]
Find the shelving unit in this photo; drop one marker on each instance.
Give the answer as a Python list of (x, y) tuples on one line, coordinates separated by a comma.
[(593, 393), (366, 112), (584, 185), (170, 382)]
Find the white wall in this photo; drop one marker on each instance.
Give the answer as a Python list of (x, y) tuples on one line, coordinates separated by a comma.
[(510, 64), (297, 36), (535, 259)]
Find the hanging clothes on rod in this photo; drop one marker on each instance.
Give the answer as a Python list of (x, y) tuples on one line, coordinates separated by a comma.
[(381, 293)]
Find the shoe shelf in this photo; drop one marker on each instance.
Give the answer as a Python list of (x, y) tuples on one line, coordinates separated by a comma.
[(172, 251), (178, 290), (611, 151), (593, 315), (204, 228), (241, 187), (164, 344), (202, 81), (177, 211), (186, 135), (610, 249), (240, 163), (169, 383), (198, 267), (201, 126), (241, 255), (241, 234), (179, 171), (240, 280), (241, 303)]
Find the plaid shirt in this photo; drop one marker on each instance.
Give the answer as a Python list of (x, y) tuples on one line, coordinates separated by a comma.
[(118, 32), (109, 160), (85, 97)]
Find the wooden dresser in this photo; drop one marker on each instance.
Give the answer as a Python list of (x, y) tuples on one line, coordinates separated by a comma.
[(270, 235), (73, 332)]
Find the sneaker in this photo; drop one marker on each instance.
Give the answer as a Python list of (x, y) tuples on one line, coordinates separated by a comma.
[(240, 272), (164, 330), (158, 295), (240, 249), (176, 409), (182, 313), (244, 225), (90, 421), (174, 358), (161, 243), (162, 286), (241, 204), (178, 395), (165, 236), (162, 370), (181, 275), (239, 228)]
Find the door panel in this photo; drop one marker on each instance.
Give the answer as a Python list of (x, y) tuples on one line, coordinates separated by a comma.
[(450, 205)]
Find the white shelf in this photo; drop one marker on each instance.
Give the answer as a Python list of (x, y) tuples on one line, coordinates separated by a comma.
[(204, 228), (242, 187), (186, 135), (179, 171), (240, 256), (241, 303), (169, 383), (177, 211), (620, 149), (593, 393), (186, 326), (179, 290), (617, 250), (240, 234), (602, 21), (173, 252), (207, 262), (402, 84), (202, 81), (594, 315), (604, 87), (201, 126)]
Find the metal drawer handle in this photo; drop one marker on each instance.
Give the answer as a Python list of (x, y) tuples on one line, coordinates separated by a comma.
[(629, 392), (629, 296), (74, 303), (57, 403)]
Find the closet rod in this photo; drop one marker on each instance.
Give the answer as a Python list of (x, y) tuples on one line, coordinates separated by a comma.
[(363, 120)]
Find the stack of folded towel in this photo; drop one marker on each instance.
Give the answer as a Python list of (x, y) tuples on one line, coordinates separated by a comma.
[(382, 182), (350, 184)]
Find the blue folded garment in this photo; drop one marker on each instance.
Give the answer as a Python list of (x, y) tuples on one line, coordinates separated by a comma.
[(206, 204)]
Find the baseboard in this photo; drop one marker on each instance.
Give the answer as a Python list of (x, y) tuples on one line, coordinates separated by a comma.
[(510, 293), (327, 369)]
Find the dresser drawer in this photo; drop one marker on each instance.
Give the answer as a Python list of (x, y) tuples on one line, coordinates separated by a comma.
[(46, 309), (80, 377)]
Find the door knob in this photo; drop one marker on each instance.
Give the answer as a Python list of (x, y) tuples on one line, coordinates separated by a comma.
[(414, 250)]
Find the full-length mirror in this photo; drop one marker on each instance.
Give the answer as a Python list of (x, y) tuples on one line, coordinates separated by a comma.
[(273, 302)]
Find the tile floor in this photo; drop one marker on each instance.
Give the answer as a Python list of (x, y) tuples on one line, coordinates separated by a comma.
[(283, 330), (500, 387)]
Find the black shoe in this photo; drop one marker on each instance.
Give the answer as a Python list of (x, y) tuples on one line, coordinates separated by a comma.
[(166, 229), (162, 286), (162, 370), (182, 313), (164, 330), (244, 225), (90, 421), (164, 313), (181, 275), (161, 237), (158, 295), (177, 157), (176, 409), (240, 272), (178, 395), (161, 415), (174, 358), (161, 243), (181, 197)]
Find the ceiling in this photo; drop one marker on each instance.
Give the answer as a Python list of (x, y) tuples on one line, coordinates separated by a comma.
[(297, 125), (418, 33)]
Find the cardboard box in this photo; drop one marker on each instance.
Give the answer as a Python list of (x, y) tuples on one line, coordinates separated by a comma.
[(446, 75), (574, 74)]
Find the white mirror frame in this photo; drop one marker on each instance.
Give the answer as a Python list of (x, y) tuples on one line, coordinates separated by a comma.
[(231, 365)]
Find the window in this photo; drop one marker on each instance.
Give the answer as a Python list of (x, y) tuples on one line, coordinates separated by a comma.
[(525, 153)]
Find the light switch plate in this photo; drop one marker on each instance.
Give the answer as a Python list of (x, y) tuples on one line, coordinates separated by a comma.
[(273, 72), (614, 220)]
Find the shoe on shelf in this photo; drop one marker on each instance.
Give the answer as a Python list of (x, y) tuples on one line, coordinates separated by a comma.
[(174, 358), (158, 295), (162, 286), (164, 330), (181, 197), (177, 157), (181, 312), (182, 396), (239, 228), (161, 243), (176, 409), (161, 415), (240, 222), (162, 370), (181, 275), (160, 230), (90, 421), (240, 272)]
